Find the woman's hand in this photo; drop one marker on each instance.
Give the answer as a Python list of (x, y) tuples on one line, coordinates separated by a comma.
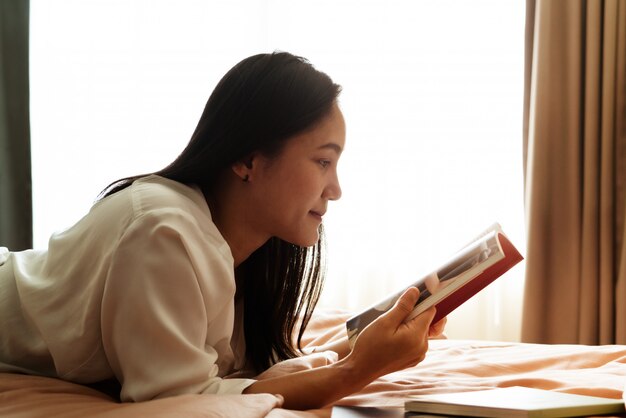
[(391, 343), (436, 330), (387, 345)]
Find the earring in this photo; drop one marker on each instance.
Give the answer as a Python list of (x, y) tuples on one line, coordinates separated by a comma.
[(246, 178)]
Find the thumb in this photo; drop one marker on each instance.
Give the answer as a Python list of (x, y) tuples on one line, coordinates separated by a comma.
[(403, 306)]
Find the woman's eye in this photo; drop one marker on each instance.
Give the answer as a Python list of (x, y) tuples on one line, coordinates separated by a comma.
[(324, 163)]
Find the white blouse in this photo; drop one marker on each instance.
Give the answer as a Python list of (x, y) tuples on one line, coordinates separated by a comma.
[(141, 289)]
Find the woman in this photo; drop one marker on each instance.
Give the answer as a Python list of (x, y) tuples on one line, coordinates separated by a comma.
[(184, 280)]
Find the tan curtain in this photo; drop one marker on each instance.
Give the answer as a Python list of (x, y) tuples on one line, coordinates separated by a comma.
[(575, 172)]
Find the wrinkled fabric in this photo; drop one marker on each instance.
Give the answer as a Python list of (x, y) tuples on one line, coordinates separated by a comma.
[(141, 290)]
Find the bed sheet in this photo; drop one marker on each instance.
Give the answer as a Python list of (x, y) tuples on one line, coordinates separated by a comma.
[(450, 365)]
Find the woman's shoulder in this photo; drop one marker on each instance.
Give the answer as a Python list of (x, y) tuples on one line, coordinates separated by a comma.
[(170, 202), (161, 204), (155, 203), (155, 193)]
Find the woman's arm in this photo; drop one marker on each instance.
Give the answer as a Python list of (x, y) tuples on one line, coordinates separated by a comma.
[(387, 345), (342, 346)]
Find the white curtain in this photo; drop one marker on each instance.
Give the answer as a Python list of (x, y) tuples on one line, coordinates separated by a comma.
[(432, 97)]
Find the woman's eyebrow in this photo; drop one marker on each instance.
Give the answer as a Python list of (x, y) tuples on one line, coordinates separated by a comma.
[(333, 146)]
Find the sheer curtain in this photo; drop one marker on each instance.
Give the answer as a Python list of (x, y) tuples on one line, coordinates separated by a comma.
[(432, 97)]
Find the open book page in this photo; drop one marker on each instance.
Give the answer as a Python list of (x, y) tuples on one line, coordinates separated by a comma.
[(494, 227), (481, 254)]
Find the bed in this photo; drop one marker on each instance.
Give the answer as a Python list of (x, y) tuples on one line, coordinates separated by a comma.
[(451, 365)]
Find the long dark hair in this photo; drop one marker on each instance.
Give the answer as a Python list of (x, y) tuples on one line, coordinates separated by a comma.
[(259, 104)]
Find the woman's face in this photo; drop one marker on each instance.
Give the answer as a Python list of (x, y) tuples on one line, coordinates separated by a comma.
[(294, 187)]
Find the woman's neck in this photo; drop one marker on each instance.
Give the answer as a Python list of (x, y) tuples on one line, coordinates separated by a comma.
[(231, 216)]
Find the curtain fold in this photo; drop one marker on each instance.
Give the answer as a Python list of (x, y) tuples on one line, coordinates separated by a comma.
[(15, 169), (574, 148)]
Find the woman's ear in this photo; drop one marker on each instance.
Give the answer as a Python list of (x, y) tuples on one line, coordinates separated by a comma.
[(243, 168)]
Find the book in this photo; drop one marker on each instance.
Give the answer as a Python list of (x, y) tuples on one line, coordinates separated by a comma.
[(485, 258), (367, 412), (513, 402)]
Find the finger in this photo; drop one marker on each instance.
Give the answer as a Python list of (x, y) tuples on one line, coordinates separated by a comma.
[(435, 330), (403, 306), (423, 321)]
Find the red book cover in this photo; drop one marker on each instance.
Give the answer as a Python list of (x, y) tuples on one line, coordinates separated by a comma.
[(457, 298), (466, 273)]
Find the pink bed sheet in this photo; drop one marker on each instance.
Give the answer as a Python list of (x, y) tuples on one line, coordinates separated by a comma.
[(451, 365)]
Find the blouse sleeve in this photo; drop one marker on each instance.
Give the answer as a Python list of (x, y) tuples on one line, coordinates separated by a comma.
[(162, 324)]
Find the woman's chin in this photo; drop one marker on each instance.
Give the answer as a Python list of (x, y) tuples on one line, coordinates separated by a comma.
[(305, 241)]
